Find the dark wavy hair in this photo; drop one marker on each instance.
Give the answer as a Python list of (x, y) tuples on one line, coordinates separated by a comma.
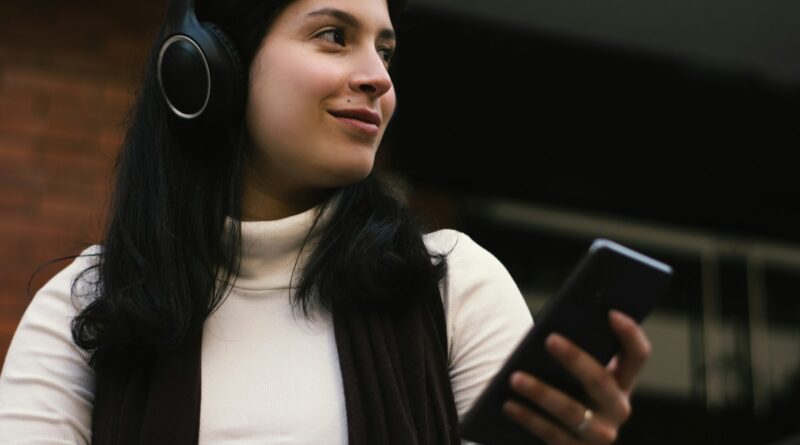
[(168, 259)]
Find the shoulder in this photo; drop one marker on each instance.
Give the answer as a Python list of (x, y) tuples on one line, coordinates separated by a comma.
[(477, 287), (81, 271), (48, 318), (469, 263), (460, 249), (71, 288)]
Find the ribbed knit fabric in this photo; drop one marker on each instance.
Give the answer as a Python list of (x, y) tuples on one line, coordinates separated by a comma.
[(268, 375)]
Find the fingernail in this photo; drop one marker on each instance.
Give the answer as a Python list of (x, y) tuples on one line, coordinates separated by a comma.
[(517, 380), (556, 342), (510, 407), (620, 317)]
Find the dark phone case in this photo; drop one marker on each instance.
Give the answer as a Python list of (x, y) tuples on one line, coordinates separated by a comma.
[(609, 276)]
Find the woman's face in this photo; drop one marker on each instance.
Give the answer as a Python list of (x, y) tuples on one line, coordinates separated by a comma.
[(320, 60)]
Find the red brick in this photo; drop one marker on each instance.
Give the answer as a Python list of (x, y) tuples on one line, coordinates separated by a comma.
[(68, 72)]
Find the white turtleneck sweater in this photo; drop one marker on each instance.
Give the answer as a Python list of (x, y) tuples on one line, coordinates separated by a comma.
[(269, 376)]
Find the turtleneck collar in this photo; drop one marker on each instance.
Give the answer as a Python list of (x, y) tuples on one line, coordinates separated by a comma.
[(271, 248)]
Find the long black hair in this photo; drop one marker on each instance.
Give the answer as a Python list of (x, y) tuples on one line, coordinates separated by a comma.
[(168, 258)]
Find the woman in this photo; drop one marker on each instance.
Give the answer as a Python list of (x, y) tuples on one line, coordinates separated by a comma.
[(253, 241)]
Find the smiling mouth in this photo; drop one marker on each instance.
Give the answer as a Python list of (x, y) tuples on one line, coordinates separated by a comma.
[(362, 114), (358, 125)]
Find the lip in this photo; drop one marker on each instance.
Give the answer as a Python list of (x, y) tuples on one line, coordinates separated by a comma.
[(365, 128), (361, 114)]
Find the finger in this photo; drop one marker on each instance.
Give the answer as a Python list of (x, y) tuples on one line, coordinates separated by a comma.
[(538, 425), (635, 349), (562, 407), (600, 385)]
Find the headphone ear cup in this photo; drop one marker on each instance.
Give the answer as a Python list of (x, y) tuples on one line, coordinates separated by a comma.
[(240, 79), (201, 75)]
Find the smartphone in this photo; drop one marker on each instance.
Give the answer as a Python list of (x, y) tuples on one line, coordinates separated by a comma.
[(609, 276)]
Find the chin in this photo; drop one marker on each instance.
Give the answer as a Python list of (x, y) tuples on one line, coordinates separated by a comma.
[(350, 175)]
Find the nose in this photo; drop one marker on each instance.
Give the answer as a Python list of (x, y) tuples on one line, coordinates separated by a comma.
[(371, 76)]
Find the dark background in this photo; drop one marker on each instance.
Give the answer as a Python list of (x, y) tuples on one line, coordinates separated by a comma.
[(502, 112), (555, 119)]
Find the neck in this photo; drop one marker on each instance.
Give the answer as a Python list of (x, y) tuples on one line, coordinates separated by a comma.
[(262, 202)]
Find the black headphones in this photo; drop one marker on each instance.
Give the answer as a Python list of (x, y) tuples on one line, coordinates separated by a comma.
[(200, 74)]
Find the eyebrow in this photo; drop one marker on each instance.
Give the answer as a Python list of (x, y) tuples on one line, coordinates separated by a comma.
[(351, 20)]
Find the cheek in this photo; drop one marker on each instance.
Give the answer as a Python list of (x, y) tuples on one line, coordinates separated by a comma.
[(286, 97)]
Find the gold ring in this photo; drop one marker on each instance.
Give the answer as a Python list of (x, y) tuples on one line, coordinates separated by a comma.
[(584, 423)]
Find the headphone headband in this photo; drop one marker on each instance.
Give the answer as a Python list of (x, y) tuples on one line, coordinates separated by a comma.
[(178, 12)]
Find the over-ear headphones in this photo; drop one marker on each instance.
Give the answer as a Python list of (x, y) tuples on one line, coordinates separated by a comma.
[(200, 74)]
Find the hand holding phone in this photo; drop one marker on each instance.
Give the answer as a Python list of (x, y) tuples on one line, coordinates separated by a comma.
[(610, 276)]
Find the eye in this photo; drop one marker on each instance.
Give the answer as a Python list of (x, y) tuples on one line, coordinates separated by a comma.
[(388, 52), (337, 33)]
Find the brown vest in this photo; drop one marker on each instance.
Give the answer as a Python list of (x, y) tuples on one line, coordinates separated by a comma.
[(394, 371)]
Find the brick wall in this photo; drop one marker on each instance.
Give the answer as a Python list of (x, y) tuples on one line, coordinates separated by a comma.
[(67, 74)]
